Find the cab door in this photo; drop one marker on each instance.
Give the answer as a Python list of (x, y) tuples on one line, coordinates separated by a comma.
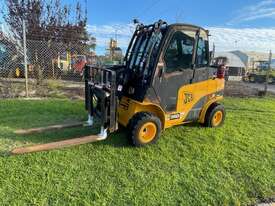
[(174, 69), (203, 82)]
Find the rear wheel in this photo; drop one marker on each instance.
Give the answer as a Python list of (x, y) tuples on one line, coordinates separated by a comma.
[(215, 116), (145, 129)]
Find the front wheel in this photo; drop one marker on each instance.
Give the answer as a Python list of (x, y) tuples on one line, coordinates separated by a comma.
[(145, 129), (215, 116)]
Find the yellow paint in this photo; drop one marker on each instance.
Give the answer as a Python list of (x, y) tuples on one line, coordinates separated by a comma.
[(17, 72), (147, 132), (64, 63), (188, 97), (129, 107), (195, 92)]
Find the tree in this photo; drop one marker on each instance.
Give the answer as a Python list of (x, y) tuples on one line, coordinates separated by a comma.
[(47, 20), (52, 28)]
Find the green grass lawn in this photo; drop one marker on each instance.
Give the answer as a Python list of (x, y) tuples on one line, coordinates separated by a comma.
[(190, 165)]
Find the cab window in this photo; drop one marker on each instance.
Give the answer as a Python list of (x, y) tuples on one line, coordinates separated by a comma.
[(202, 55), (179, 53)]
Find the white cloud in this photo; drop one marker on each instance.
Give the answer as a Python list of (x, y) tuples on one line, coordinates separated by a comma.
[(103, 33), (225, 39), (260, 10), (120, 29), (248, 39)]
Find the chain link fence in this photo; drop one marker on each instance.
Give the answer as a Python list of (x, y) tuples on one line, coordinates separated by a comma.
[(53, 68)]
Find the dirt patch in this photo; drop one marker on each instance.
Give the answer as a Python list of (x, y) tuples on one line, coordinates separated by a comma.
[(15, 88), (267, 202), (74, 93), (239, 89)]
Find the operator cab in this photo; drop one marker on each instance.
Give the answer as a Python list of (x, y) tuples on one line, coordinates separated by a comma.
[(161, 58)]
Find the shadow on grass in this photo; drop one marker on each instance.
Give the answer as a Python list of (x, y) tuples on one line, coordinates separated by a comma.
[(11, 140), (117, 139)]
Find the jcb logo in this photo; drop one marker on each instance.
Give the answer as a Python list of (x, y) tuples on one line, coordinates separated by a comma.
[(188, 98)]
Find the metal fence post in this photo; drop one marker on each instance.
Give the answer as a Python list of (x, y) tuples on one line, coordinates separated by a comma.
[(268, 73), (25, 58)]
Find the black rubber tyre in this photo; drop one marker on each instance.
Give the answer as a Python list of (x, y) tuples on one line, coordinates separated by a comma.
[(144, 129), (215, 116)]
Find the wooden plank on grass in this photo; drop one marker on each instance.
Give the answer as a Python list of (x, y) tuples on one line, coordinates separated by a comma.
[(56, 145), (48, 128)]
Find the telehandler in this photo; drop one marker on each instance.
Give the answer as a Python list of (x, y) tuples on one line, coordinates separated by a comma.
[(166, 80)]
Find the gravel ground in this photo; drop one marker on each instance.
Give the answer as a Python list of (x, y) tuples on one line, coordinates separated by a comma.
[(271, 87)]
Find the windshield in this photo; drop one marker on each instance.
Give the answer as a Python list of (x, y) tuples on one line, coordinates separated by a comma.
[(143, 51)]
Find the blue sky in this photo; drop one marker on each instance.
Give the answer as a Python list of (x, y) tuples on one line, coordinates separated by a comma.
[(247, 25), (205, 13), (236, 24)]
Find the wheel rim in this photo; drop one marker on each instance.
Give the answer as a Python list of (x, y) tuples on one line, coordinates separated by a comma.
[(217, 118), (147, 132)]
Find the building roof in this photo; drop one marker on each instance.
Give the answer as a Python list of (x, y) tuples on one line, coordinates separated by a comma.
[(234, 59)]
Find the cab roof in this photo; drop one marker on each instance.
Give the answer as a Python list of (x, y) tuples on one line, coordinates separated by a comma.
[(161, 23), (186, 26)]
